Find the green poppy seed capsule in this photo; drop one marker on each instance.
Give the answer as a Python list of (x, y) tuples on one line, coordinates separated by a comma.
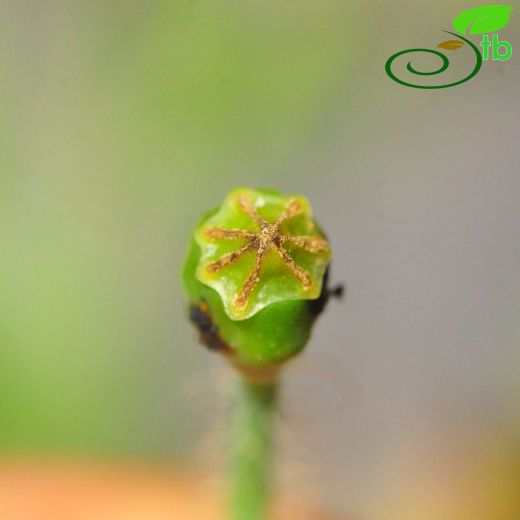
[(254, 276)]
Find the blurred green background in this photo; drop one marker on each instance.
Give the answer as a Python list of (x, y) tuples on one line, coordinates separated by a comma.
[(123, 121)]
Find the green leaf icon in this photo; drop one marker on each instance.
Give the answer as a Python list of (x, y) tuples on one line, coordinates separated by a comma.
[(483, 19)]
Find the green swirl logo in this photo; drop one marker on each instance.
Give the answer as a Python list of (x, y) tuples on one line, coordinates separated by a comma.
[(480, 20), (445, 64)]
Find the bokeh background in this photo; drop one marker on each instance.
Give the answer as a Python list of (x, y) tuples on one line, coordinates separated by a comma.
[(123, 121)]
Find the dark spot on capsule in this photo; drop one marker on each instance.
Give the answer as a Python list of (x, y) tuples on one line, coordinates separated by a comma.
[(318, 306), (337, 291), (208, 331)]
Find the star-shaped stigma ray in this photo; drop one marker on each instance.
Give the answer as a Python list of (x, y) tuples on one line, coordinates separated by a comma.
[(268, 236)]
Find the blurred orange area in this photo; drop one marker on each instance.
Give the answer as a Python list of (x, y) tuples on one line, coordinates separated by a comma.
[(50, 490), (476, 482)]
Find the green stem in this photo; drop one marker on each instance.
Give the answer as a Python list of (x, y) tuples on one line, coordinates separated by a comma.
[(252, 450)]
